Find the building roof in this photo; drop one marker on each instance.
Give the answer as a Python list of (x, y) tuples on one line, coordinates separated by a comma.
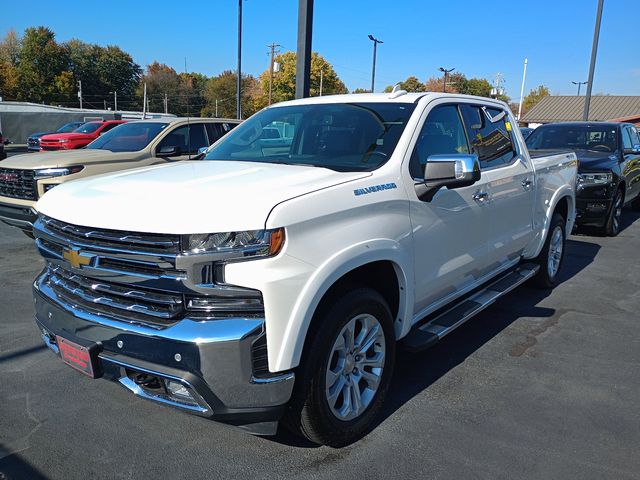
[(556, 108)]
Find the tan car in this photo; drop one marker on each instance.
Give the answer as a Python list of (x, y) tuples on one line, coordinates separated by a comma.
[(25, 178)]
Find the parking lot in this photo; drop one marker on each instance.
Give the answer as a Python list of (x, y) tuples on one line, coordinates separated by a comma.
[(540, 385)]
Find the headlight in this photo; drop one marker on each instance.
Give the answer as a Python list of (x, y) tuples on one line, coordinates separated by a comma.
[(595, 178), (57, 172), (252, 243), (63, 140)]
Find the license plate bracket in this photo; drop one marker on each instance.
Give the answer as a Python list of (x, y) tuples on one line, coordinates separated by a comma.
[(83, 358)]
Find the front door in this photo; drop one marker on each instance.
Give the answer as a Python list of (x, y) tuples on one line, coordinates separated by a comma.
[(449, 230)]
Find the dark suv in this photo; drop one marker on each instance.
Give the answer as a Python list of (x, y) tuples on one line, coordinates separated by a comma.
[(3, 154), (608, 171)]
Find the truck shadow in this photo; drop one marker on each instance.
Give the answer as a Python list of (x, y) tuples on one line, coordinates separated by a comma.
[(13, 466), (629, 217), (416, 372)]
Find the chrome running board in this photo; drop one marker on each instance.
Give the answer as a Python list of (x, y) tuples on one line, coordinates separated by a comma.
[(428, 333)]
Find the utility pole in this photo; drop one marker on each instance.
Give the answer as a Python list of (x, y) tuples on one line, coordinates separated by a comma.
[(446, 72), (579, 83), (216, 108), (303, 50), (239, 79), (373, 70), (144, 101), (272, 47), (321, 75), (115, 100), (80, 92), (592, 67), (166, 104), (105, 104), (524, 77)]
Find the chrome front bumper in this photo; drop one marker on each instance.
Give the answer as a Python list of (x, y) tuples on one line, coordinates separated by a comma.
[(18, 216), (212, 359)]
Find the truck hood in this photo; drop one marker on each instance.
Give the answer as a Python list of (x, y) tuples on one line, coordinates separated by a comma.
[(65, 158), (186, 197), (69, 136), (588, 160)]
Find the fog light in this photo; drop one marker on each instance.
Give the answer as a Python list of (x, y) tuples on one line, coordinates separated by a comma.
[(178, 390), (49, 186)]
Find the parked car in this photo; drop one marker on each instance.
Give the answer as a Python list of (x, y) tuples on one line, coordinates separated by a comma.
[(259, 283), (33, 141), (3, 154), (609, 172), (25, 178), (78, 138)]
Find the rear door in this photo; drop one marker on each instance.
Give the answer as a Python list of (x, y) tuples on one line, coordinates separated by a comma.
[(509, 178), (631, 164), (449, 230)]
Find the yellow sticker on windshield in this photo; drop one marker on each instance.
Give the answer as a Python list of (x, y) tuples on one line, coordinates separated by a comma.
[(508, 125)]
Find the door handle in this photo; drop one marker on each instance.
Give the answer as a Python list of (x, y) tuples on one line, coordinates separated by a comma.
[(480, 196), (526, 183)]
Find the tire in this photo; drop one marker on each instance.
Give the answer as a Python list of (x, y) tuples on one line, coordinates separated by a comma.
[(321, 413), (612, 226), (554, 246)]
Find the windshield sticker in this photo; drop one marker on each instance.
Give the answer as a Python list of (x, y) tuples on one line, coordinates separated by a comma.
[(375, 188)]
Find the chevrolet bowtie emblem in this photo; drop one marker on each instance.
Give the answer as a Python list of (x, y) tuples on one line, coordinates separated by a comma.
[(75, 258)]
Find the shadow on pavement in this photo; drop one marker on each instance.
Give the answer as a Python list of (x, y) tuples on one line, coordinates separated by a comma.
[(13, 467), (416, 372)]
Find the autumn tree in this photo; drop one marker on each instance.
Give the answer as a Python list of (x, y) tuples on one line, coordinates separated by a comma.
[(360, 90), (534, 97), (221, 90), (284, 81), (9, 59)]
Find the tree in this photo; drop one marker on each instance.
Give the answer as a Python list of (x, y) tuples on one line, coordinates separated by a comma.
[(222, 90), (412, 84), (162, 80), (361, 90), (284, 81), (9, 59), (478, 86), (41, 60), (534, 97)]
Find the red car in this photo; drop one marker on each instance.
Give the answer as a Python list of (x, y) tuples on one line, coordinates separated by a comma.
[(79, 138)]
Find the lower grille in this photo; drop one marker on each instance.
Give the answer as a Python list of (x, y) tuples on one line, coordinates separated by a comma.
[(18, 183), (115, 299)]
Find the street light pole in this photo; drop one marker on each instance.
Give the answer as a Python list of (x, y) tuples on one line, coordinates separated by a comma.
[(446, 72), (115, 101), (592, 67), (373, 70), (524, 77), (579, 84), (239, 79)]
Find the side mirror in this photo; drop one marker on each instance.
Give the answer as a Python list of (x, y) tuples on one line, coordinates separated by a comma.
[(169, 151), (451, 171)]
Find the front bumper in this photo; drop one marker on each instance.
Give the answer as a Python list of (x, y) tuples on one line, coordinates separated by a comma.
[(593, 204), (212, 359), (19, 216)]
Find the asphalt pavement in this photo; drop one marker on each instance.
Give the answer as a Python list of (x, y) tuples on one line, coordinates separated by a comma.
[(541, 385)]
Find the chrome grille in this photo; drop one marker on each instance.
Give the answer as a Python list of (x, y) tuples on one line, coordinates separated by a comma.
[(116, 299), (18, 183), (114, 238)]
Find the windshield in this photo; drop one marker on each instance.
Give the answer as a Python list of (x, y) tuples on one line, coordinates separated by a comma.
[(341, 136), (69, 127), (597, 138), (88, 127), (128, 137)]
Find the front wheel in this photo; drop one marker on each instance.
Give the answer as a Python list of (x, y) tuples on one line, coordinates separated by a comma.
[(346, 370), (612, 226), (552, 254)]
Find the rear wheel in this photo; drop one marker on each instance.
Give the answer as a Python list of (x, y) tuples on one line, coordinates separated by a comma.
[(346, 370), (552, 254), (612, 227)]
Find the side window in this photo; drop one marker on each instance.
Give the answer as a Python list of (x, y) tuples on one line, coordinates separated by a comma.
[(635, 140), (442, 133), (626, 138), (490, 134), (213, 132), (180, 138)]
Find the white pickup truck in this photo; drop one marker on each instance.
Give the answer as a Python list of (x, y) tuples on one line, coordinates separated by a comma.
[(274, 282)]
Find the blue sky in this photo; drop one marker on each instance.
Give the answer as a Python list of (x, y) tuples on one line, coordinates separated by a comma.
[(478, 38)]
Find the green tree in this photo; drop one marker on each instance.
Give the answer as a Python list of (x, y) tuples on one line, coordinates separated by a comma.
[(9, 59), (221, 90), (41, 60), (534, 97), (412, 84), (362, 90), (284, 81), (163, 80), (477, 86)]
